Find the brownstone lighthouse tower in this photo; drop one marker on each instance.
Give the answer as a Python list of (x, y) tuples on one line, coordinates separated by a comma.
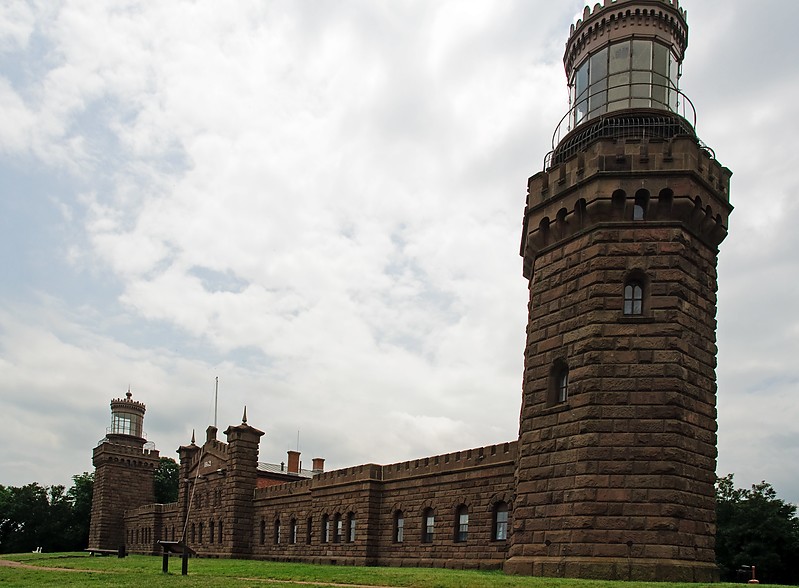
[(123, 475), (617, 441)]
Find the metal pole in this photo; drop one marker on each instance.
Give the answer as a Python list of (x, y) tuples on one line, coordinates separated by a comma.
[(184, 570), (216, 398)]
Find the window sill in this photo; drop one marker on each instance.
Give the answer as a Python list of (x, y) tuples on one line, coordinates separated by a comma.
[(556, 408), (633, 318)]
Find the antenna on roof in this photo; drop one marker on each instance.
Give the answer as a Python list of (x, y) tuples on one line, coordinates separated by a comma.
[(298, 439), (216, 398)]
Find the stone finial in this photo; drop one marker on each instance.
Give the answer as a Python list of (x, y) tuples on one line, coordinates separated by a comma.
[(244, 417), (192, 437)]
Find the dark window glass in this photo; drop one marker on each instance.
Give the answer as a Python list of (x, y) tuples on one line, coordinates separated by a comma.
[(351, 527), (563, 385), (501, 522), (429, 526), (462, 525), (633, 298), (399, 527)]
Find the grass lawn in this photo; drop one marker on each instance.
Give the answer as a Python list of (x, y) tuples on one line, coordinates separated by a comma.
[(78, 569)]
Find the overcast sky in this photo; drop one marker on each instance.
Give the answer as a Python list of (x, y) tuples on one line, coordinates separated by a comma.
[(320, 203)]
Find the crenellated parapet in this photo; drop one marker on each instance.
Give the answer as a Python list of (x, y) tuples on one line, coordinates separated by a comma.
[(618, 19), (673, 180), (450, 462)]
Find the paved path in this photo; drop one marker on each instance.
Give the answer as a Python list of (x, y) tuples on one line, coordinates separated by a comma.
[(16, 564)]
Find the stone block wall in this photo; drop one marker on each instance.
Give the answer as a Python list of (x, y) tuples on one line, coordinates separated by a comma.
[(123, 480), (371, 494), (617, 481)]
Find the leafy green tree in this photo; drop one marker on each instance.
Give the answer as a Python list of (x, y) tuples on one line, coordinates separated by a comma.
[(80, 494), (49, 517), (24, 518), (167, 476), (755, 527)]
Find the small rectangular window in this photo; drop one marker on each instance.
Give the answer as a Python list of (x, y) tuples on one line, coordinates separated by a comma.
[(463, 526)]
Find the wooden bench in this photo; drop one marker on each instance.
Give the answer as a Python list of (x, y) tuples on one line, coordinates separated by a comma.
[(104, 552)]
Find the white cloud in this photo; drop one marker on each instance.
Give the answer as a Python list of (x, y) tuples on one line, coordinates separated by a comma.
[(323, 208)]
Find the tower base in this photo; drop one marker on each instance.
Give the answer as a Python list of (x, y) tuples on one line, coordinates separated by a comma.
[(605, 568)]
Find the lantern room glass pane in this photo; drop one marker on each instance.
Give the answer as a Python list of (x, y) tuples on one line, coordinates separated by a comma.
[(619, 57), (673, 74), (660, 91), (598, 77), (642, 55), (581, 92), (641, 88), (619, 91)]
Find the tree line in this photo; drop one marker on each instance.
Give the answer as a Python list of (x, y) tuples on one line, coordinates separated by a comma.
[(754, 526), (57, 519)]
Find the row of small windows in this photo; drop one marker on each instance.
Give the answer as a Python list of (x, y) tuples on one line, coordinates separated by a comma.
[(499, 530), (332, 530), (140, 536), (338, 529), (197, 532), (204, 499)]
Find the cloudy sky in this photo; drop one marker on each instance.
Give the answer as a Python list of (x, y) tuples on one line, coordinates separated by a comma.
[(320, 203)]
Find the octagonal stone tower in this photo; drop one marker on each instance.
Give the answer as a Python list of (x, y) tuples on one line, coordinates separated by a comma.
[(617, 440), (123, 474)]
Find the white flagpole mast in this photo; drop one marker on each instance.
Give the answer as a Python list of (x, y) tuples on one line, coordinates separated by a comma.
[(216, 397)]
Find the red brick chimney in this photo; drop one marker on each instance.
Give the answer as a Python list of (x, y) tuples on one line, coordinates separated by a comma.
[(318, 465), (294, 462)]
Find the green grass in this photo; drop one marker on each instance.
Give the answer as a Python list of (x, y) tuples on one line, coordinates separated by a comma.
[(137, 570)]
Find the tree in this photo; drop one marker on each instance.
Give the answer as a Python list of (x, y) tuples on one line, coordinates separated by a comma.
[(49, 517), (81, 496), (167, 477), (755, 527), (24, 517)]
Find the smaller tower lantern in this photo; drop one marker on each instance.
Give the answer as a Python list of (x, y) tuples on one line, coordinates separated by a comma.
[(127, 417)]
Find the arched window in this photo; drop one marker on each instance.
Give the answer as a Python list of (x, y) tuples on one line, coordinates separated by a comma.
[(563, 385), (211, 528), (428, 525), (633, 298), (325, 528), (500, 521), (263, 531), (351, 527), (461, 523), (641, 204), (277, 531), (219, 534), (338, 528), (201, 533), (293, 532), (399, 527), (308, 530)]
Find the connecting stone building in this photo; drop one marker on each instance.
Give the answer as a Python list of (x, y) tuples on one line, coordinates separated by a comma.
[(612, 472)]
